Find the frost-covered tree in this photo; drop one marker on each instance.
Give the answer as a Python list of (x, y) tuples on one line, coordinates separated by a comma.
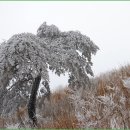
[(68, 52), (25, 59), (22, 64)]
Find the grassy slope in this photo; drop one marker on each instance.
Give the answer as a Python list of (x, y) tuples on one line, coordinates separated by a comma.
[(105, 105)]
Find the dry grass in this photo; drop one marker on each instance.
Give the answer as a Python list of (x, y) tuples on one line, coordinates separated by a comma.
[(113, 99), (105, 105), (60, 110)]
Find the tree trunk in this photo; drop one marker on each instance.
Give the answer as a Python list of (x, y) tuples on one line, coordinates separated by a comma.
[(32, 100)]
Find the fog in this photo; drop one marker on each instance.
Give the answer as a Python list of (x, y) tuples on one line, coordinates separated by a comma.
[(106, 23)]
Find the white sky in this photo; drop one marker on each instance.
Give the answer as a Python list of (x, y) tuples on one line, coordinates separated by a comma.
[(106, 23)]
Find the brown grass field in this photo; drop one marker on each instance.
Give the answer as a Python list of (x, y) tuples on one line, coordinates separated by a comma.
[(106, 104)]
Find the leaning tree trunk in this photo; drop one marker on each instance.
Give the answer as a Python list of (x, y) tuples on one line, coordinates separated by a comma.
[(32, 100)]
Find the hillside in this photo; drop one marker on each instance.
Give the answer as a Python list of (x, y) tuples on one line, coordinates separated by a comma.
[(106, 104)]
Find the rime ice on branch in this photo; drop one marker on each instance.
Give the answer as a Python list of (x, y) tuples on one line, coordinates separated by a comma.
[(68, 52)]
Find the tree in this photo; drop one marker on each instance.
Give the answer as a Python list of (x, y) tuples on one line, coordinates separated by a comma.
[(25, 59), (22, 64), (69, 52)]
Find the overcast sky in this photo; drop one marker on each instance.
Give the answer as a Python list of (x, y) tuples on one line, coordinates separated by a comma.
[(106, 23)]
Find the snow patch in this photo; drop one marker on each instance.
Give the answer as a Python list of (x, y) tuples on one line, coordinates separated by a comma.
[(126, 83)]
